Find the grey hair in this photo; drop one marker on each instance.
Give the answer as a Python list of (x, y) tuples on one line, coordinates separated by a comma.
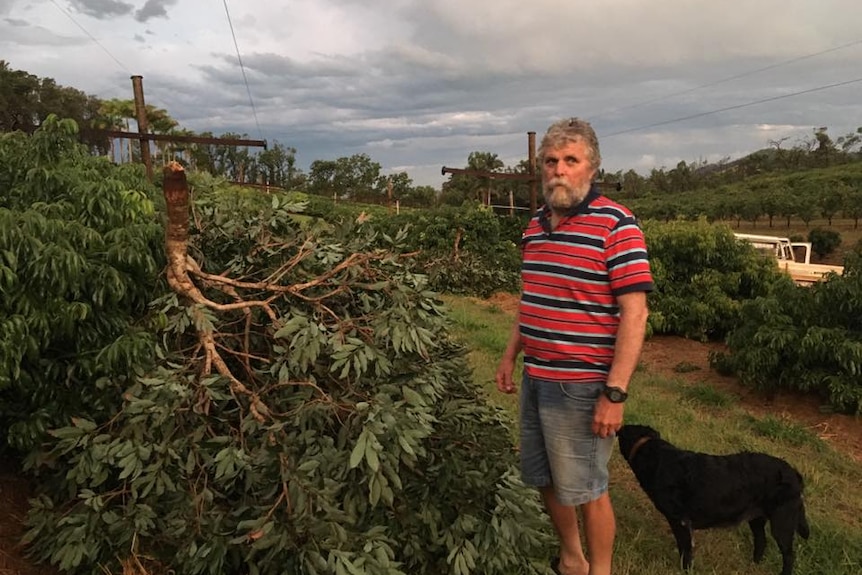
[(572, 130)]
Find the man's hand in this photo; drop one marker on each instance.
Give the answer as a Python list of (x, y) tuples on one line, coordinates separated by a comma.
[(507, 363), (608, 417), (503, 378)]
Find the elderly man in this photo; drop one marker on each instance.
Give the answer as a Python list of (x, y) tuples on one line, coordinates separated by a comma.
[(581, 324)]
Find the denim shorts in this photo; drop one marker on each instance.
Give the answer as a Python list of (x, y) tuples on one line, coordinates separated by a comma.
[(558, 446)]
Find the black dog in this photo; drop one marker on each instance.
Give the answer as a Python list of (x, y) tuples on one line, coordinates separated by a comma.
[(698, 491)]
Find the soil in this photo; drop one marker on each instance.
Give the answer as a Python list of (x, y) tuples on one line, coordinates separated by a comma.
[(14, 492), (663, 355), (685, 359)]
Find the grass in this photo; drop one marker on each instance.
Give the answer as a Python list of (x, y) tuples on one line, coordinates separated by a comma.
[(485, 329), (703, 419), (707, 396)]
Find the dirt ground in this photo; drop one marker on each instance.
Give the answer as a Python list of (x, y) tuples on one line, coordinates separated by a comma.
[(662, 355), (14, 491)]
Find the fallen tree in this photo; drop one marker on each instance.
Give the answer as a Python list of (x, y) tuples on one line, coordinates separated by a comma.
[(308, 414)]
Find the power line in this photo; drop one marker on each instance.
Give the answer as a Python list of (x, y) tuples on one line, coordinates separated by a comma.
[(244, 77), (735, 107), (93, 38), (113, 89), (728, 79)]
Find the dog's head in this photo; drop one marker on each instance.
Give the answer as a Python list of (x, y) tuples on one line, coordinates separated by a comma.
[(631, 437)]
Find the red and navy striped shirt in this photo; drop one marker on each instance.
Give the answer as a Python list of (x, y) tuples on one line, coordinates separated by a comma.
[(571, 277)]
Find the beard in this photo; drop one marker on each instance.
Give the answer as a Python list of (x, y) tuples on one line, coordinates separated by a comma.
[(561, 196)]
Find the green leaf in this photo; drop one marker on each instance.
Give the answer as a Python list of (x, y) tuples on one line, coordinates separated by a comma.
[(371, 456), (359, 449), (412, 397), (309, 465)]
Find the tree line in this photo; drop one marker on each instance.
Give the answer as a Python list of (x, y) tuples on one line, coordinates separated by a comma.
[(815, 176), (26, 101)]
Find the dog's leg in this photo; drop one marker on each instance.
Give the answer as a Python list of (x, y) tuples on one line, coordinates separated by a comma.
[(682, 532), (783, 524), (802, 527), (758, 529)]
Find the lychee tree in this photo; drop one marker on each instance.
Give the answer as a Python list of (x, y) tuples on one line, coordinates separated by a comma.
[(80, 256), (307, 413)]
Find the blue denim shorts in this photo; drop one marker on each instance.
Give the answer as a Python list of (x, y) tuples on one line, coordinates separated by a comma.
[(558, 446)]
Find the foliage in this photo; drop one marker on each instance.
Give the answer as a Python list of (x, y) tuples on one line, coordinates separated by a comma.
[(355, 442), (79, 258), (824, 242), (463, 188), (710, 286), (274, 167), (803, 338), (702, 275), (356, 177), (466, 250), (336, 212), (27, 100), (819, 191)]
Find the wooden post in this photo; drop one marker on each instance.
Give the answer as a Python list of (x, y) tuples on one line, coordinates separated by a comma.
[(143, 127)]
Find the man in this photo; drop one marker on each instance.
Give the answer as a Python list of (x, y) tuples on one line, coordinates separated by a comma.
[(581, 325)]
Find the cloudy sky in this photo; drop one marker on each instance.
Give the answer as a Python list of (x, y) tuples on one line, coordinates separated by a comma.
[(419, 84)]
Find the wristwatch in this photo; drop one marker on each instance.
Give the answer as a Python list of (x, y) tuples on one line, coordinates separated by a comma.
[(615, 394)]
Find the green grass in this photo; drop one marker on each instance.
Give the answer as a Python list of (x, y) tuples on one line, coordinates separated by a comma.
[(707, 396), (485, 329), (699, 418)]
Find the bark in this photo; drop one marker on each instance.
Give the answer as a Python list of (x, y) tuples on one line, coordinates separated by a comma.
[(181, 265)]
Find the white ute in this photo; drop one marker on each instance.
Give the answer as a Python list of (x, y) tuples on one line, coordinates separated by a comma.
[(794, 258)]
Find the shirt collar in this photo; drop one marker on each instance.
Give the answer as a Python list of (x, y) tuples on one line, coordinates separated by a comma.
[(545, 211)]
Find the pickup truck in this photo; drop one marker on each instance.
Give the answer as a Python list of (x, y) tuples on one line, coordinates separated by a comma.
[(794, 258)]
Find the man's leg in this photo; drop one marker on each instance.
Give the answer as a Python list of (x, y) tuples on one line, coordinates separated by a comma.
[(600, 529), (565, 520)]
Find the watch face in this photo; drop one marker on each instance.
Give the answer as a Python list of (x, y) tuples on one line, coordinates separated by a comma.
[(615, 394)]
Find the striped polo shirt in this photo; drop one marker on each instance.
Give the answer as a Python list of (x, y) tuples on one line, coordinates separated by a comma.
[(570, 279)]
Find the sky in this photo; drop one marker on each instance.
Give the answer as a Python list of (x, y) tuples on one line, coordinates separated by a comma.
[(420, 84)]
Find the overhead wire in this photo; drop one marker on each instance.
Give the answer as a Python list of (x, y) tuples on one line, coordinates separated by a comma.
[(125, 68), (635, 105), (93, 38), (734, 107), (113, 89), (728, 79), (242, 68)]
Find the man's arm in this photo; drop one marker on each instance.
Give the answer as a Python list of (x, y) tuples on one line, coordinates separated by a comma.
[(506, 368), (630, 337)]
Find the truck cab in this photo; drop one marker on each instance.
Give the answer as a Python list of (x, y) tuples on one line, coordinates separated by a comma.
[(780, 248), (794, 258)]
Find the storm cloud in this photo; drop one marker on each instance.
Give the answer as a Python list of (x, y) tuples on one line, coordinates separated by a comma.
[(418, 84), (102, 9), (154, 9)]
